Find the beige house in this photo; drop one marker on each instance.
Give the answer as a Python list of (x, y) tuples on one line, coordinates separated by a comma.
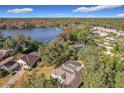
[(69, 74)]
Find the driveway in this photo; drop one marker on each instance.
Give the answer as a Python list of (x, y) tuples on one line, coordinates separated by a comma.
[(12, 80)]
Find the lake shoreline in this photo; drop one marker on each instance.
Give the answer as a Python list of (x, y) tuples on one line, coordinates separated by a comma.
[(40, 34), (31, 28)]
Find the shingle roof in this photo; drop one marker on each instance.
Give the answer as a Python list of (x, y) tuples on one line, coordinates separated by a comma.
[(9, 64), (4, 52), (34, 53), (30, 59), (67, 71)]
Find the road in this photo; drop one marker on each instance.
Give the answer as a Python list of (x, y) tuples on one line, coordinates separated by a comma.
[(12, 80)]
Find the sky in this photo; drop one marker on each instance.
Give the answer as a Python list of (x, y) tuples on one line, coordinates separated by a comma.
[(61, 11)]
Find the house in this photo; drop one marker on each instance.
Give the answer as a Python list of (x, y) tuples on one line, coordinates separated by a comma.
[(101, 34), (121, 33), (9, 64), (28, 60), (104, 29), (109, 39), (5, 61), (69, 73), (4, 54)]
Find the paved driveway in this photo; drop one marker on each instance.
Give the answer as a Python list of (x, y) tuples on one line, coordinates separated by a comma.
[(12, 80)]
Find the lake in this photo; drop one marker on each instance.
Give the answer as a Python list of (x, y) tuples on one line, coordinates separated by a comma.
[(40, 34)]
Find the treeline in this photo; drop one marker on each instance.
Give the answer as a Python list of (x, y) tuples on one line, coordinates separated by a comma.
[(28, 23)]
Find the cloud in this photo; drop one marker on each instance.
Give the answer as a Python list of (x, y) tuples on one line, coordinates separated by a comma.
[(120, 15), (22, 10), (95, 8)]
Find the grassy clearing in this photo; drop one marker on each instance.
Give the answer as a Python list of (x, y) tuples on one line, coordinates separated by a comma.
[(47, 70), (4, 79)]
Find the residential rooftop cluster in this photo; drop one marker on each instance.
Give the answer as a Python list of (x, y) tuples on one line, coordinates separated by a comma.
[(23, 61), (105, 34), (69, 73)]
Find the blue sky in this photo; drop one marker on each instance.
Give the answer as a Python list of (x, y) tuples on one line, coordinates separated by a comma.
[(55, 11)]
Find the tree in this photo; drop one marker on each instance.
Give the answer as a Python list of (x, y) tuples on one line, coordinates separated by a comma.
[(92, 75), (99, 69), (56, 52), (2, 73), (34, 81), (21, 43), (119, 80)]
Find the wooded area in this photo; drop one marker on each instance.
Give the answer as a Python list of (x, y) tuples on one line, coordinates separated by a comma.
[(100, 70), (27, 23)]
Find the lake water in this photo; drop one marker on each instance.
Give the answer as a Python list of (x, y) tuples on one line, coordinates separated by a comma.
[(40, 34)]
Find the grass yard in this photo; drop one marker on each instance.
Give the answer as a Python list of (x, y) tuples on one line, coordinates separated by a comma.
[(47, 70), (4, 79)]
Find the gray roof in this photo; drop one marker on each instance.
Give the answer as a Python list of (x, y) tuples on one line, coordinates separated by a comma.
[(67, 71), (72, 71)]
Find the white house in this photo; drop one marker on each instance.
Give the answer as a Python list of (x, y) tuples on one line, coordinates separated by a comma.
[(104, 29), (121, 33)]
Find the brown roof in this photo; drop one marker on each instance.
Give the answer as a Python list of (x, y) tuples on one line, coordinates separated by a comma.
[(6, 61), (4, 52), (30, 59), (34, 53), (9, 64)]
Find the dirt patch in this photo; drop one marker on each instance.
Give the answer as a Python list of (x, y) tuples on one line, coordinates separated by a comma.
[(4, 79)]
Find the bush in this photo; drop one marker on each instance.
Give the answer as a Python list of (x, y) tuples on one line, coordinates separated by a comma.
[(2, 73), (34, 81)]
